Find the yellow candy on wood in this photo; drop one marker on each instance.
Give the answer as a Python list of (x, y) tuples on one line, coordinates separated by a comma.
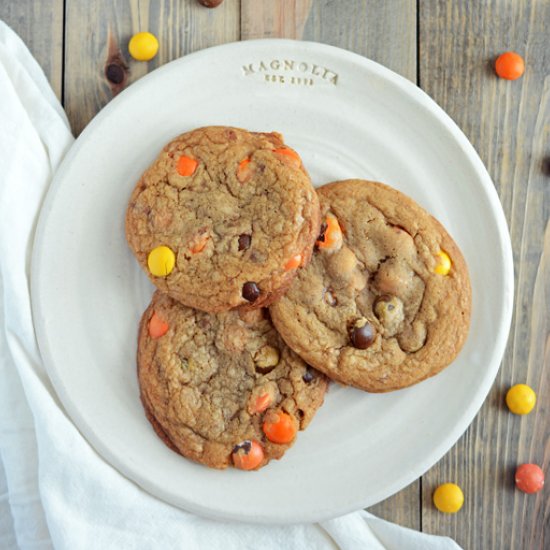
[(448, 498), (143, 46), (521, 399)]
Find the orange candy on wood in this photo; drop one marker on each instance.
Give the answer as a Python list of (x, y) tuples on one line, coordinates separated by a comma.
[(509, 65)]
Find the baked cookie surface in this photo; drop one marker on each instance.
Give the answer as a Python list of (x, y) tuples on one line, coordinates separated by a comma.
[(385, 301), (223, 218), (223, 389)]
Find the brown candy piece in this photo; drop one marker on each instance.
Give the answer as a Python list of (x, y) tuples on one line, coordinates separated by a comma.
[(244, 241), (362, 334), (251, 291), (210, 3)]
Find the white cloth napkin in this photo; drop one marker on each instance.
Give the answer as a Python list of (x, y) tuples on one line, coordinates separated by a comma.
[(55, 491)]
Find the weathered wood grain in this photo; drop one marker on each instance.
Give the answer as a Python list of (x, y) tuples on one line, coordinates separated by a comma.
[(269, 19), (382, 30), (362, 27), (100, 30), (509, 124), (40, 25)]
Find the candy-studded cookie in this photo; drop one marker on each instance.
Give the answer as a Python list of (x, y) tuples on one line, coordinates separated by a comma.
[(385, 301), (223, 389), (223, 218)]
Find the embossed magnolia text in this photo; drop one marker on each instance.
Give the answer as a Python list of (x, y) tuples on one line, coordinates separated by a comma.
[(303, 72)]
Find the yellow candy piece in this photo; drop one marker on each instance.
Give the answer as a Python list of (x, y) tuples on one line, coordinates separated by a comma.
[(444, 265), (521, 399), (448, 498), (161, 261), (143, 46)]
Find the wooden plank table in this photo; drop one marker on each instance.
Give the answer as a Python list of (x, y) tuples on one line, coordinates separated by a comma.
[(447, 48)]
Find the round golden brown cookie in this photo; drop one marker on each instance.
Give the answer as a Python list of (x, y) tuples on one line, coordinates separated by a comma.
[(223, 389), (223, 218), (385, 301)]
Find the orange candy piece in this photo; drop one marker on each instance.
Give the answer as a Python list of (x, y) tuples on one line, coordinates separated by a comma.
[(293, 263), (157, 327), (243, 170), (262, 402), (509, 65), (186, 166), (199, 244), (293, 155), (248, 455), (279, 427), (529, 478), (332, 235)]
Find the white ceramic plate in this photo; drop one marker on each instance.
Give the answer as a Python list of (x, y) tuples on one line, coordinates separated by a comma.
[(348, 117)]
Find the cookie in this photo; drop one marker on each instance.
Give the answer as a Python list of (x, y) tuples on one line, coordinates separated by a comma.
[(385, 301), (223, 389), (223, 218)]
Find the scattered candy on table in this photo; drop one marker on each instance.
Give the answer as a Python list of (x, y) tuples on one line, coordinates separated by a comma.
[(521, 399), (529, 478), (448, 498), (509, 65), (143, 46), (161, 261)]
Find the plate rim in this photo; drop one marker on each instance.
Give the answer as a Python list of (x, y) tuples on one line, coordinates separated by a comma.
[(419, 97)]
